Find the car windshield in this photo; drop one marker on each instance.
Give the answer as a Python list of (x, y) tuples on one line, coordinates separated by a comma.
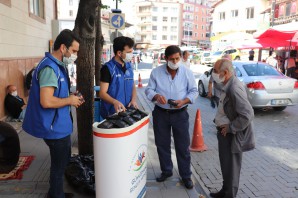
[(206, 54), (217, 53), (260, 70)]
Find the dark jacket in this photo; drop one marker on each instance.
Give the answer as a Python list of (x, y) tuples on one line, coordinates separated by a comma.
[(241, 114), (14, 105)]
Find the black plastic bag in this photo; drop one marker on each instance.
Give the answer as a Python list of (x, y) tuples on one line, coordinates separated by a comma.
[(80, 173)]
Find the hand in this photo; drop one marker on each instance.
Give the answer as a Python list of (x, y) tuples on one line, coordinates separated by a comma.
[(209, 95), (134, 104), (224, 129), (24, 107), (179, 103), (160, 99), (76, 101), (119, 106)]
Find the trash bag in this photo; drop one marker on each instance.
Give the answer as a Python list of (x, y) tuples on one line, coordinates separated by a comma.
[(9, 148), (80, 173), (123, 119)]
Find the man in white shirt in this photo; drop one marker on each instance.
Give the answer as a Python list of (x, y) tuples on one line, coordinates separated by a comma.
[(185, 60)]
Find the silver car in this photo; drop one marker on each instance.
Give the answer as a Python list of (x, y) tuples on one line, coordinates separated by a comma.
[(265, 86)]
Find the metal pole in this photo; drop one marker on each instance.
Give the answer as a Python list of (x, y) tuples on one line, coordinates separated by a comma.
[(116, 31)]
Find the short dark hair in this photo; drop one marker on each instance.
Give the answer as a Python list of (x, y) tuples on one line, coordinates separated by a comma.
[(172, 49), (65, 37), (120, 42), (184, 52)]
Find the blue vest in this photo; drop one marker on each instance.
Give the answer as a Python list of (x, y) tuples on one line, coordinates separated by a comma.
[(50, 123), (120, 87)]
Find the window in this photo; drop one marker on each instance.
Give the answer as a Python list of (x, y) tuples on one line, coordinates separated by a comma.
[(173, 28), (165, 19), (174, 19), (154, 27), (37, 10), (155, 9), (187, 33), (197, 27), (154, 37), (202, 19), (143, 28), (250, 13), (260, 70), (202, 27), (202, 35), (6, 2), (165, 9), (143, 18), (164, 28), (196, 17), (154, 18), (143, 37), (196, 35), (174, 10), (234, 13), (288, 8), (143, 9), (70, 13), (173, 37), (197, 9), (164, 37), (222, 16), (71, 2)]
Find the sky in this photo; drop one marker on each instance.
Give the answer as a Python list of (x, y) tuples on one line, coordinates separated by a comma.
[(126, 6)]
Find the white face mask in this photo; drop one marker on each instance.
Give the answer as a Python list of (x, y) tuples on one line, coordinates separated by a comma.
[(128, 57), (71, 59), (173, 66), (14, 93), (217, 79)]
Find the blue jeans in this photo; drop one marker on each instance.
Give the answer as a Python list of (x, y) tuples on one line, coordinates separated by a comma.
[(60, 151)]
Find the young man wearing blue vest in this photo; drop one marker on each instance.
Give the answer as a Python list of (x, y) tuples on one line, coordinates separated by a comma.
[(117, 89), (48, 113)]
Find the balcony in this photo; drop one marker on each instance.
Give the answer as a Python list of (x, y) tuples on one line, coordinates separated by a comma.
[(185, 19)]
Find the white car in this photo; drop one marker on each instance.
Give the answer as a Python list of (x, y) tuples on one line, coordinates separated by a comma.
[(206, 58), (265, 86)]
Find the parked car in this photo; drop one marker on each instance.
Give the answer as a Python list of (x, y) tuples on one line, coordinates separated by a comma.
[(206, 58), (265, 86), (161, 57), (235, 54)]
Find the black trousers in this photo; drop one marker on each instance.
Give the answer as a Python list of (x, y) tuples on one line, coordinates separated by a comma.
[(230, 164), (163, 124)]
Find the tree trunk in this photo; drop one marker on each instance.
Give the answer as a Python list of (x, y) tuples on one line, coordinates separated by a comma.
[(98, 46), (85, 28)]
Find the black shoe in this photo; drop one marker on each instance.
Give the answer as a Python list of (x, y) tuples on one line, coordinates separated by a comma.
[(219, 194), (188, 183), (163, 177), (68, 195)]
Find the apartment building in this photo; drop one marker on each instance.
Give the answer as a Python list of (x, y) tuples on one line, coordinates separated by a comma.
[(25, 32), (239, 20), (158, 22), (282, 12), (195, 25)]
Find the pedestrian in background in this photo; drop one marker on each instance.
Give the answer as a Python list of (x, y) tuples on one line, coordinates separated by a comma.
[(117, 88), (251, 55), (234, 127), (172, 81), (290, 67), (272, 60), (185, 59), (14, 104), (48, 113)]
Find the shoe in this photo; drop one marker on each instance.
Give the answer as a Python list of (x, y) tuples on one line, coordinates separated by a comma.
[(163, 177), (219, 194), (68, 195), (188, 183)]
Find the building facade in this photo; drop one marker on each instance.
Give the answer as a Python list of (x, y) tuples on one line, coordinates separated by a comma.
[(158, 22), (283, 11), (237, 20), (25, 34)]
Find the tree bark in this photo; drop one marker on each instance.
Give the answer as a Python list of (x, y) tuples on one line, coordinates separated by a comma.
[(85, 28), (98, 46)]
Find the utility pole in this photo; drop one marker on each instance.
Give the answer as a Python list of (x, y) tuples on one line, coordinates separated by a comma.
[(273, 12)]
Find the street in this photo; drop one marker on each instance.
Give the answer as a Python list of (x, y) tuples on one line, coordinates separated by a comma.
[(270, 170)]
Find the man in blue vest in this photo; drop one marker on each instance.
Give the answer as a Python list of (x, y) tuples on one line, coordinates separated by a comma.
[(48, 113), (117, 89)]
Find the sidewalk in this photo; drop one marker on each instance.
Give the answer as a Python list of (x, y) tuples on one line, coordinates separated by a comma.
[(35, 179)]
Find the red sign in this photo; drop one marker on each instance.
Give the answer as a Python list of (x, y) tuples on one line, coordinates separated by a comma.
[(276, 11), (293, 7), (282, 9)]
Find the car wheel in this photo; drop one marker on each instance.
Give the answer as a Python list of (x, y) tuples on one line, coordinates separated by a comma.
[(237, 58), (201, 89), (279, 108)]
